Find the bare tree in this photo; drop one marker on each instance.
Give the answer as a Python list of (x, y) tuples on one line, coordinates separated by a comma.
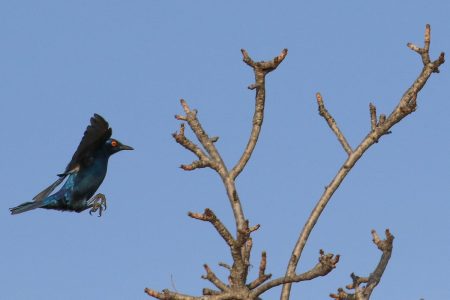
[(238, 286)]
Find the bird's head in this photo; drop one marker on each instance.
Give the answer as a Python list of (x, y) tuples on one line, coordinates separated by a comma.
[(113, 146)]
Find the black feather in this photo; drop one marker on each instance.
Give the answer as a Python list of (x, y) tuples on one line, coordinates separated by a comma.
[(94, 137)]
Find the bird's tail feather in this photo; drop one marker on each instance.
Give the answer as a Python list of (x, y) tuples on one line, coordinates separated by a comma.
[(42, 195), (26, 207), (40, 199)]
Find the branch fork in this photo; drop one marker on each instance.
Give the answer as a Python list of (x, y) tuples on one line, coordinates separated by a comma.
[(379, 127), (363, 292), (262, 276), (327, 262), (211, 217)]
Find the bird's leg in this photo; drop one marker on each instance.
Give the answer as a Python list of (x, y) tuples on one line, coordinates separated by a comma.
[(98, 202)]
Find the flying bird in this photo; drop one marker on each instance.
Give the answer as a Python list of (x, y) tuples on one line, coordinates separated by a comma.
[(84, 173)]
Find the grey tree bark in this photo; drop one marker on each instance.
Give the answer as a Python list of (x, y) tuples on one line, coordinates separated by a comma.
[(238, 285)]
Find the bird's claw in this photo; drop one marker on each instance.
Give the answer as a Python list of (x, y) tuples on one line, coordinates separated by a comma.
[(98, 202)]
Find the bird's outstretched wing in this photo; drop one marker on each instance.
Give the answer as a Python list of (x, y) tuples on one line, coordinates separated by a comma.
[(96, 134)]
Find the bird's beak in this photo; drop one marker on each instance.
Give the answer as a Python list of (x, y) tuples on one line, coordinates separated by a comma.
[(125, 147)]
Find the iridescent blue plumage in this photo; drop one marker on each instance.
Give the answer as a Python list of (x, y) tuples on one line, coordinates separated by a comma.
[(84, 173)]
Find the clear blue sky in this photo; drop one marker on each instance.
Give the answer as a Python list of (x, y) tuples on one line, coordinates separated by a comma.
[(130, 61)]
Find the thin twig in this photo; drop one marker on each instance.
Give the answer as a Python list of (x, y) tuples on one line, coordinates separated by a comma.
[(211, 217), (262, 276), (373, 116), (205, 140), (181, 139), (327, 262), (225, 265), (214, 279), (168, 295), (333, 125)]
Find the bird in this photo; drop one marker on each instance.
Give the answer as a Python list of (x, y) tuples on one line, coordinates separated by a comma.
[(85, 173)]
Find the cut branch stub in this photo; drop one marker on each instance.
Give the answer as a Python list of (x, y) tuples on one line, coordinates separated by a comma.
[(373, 116), (263, 263)]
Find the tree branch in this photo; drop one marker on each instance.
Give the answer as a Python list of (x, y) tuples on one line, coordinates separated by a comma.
[(211, 217), (205, 140), (333, 125), (214, 280), (327, 262), (214, 160), (406, 105), (261, 69), (262, 276), (168, 295), (240, 246), (364, 292), (181, 139), (373, 116)]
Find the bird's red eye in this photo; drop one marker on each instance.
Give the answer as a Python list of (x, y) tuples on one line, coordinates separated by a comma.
[(114, 143)]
